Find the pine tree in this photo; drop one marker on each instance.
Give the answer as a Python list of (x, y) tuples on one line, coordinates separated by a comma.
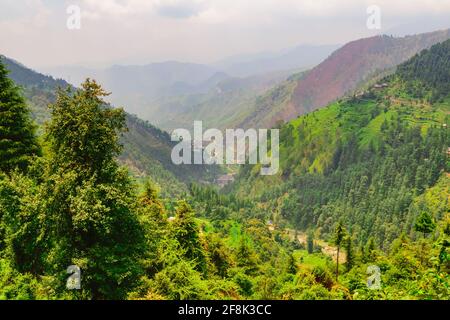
[(369, 250), (339, 237), (310, 242), (187, 234), (349, 252), (90, 217), (291, 264), (246, 257), (424, 223), (18, 143)]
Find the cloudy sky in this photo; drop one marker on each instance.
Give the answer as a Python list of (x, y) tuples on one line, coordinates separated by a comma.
[(141, 31)]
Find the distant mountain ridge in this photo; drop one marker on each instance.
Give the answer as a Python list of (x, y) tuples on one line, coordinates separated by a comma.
[(338, 75), (159, 92), (173, 94), (304, 56)]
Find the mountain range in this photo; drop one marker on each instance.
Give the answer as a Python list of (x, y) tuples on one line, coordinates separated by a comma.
[(303, 56), (189, 92), (146, 149), (343, 72), (259, 90), (160, 92)]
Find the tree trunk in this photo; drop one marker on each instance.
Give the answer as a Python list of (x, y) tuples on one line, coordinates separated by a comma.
[(337, 264)]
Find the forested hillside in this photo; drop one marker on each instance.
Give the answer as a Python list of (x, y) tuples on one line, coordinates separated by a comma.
[(146, 148), (363, 191), (368, 160)]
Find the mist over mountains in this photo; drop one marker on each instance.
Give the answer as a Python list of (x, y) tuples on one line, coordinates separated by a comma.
[(149, 90), (256, 90), (303, 56)]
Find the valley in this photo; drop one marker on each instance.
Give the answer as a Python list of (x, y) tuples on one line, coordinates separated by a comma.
[(363, 171)]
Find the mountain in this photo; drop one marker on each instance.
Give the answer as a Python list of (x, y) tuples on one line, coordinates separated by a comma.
[(173, 94), (146, 149), (151, 77), (137, 87), (300, 57), (373, 161), (341, 73), (222, 106), (367, 177)]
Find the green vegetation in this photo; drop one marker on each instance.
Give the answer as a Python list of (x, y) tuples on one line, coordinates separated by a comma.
[(372, 162), (146, 149), (17, 142), (364, 182)]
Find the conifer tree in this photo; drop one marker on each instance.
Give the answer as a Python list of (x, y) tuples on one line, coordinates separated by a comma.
[(310, 242), (246, 257), (339, 237), (18, 143), (424, 223), (349, 252), (187, 233), (90, 218)]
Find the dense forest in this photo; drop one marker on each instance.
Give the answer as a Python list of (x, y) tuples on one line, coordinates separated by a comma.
[(146, 149), (360, 209)]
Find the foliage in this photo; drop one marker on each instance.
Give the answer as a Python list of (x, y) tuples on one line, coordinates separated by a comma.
[(374, 167), (18, 143)]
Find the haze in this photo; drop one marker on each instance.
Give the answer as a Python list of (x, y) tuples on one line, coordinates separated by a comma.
[(202, 31)]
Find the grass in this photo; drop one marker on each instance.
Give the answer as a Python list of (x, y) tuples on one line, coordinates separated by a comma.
[(310, 260)]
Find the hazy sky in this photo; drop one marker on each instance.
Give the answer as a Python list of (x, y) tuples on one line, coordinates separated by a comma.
[(142, 31)]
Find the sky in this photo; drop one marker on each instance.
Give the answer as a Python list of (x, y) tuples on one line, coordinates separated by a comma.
[(35, 32)]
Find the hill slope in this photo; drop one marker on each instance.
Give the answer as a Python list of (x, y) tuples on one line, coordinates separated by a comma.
[(340, 74), (221, 106), (300, 57), (366, 160), (146, 149)]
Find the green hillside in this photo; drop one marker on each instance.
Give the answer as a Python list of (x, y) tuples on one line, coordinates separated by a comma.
[(342, 73), (146, 148), (366, 158)]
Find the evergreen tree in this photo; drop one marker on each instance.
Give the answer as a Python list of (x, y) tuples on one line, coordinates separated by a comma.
[(291, 264), (424, 223), (153, 217), (369, 250), (349, 252), (246, 257), (90, 216), (186, 232), (18, 143), (310, 241), (339, 237)]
